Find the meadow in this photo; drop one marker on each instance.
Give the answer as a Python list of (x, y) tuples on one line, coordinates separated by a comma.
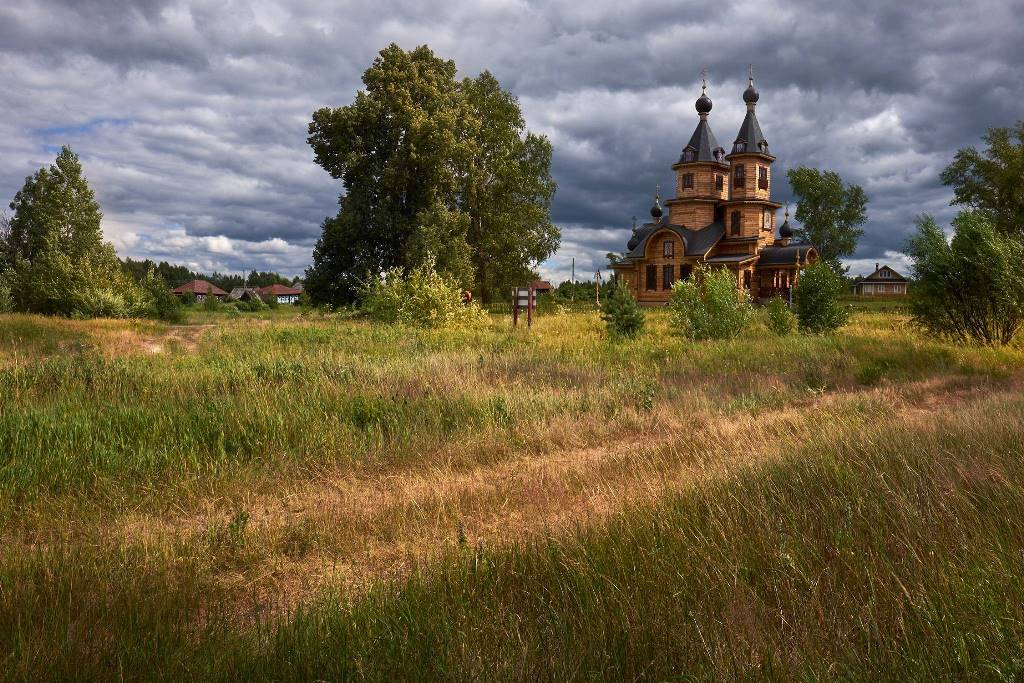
[(277, 496)]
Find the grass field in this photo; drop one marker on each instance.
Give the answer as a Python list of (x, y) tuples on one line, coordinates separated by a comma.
[(285, 497)]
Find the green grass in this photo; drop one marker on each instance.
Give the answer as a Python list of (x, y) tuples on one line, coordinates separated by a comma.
[(224, 500)]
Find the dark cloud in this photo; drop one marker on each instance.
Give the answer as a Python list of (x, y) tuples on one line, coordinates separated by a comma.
[(191, 117)]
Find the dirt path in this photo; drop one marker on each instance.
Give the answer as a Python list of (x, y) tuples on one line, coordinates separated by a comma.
[(352, 530)]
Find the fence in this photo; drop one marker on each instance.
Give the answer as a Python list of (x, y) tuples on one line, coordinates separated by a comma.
[(505, 307)]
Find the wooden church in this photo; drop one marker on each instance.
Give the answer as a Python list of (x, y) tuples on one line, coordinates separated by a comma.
[(722, 216)]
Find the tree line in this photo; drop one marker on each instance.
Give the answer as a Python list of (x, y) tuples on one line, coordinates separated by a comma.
[(176, 274)]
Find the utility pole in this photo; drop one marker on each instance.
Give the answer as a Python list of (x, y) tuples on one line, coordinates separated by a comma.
[(597, 287)]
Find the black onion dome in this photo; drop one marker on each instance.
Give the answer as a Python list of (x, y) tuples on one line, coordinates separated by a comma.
[(633, 241), (786, 230), (656, 211), (703, 104), (750, 95)]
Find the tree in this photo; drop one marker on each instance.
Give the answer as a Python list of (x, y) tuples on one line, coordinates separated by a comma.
[(56, 258), (816, 299), (781, 320), (991, 182), (970, 288), (430, 167), (622, 314), (830, 213)]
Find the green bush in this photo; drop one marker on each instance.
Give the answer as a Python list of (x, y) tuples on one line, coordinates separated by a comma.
[(210, 302), (270, 301), (970, 288), (163, 304), (622, 314), (421, 297), (816, 299), (781, 320), (708, 305), (188, 299)]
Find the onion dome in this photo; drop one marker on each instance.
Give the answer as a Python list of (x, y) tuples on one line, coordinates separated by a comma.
[(634, 239), (786, 230), (656, 211), (750, 95), (703, 103)]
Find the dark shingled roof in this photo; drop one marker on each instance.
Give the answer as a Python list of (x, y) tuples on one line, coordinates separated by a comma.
[(876, 277), (702, 145), (750, 138), (694, 241), (732, 258), (784, 256)]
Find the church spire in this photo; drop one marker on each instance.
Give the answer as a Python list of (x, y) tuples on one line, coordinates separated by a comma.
[(750, 139), (702, 145)]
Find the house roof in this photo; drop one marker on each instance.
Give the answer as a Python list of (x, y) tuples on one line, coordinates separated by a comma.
[(238, 292), (279, 290), (877, 277), (732, 258), (791, 254), (541, 284), (696, 242), (198, 287)]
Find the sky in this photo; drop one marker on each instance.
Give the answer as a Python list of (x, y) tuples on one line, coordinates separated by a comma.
[(191, 117)]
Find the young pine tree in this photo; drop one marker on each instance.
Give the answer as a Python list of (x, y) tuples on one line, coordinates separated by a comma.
[(622, 314)]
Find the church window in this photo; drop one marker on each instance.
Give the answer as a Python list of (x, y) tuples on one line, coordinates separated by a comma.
[(762, 177), (670, 248), (689, 154), (684, 272), (735, 230), (687, 180), (667, 273), (719, 182), (652, 278), (739, 176)]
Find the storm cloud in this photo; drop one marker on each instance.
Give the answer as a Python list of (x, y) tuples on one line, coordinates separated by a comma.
[(190, 117)]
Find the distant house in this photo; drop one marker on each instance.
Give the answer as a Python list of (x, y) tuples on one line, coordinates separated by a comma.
[(200, 288), (244, 294), (883, 282), (284, 293)]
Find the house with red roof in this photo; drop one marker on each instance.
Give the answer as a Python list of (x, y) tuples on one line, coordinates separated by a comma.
[(283, 293), (200, 288)]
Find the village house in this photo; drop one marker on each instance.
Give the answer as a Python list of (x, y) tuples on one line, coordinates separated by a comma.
[(199, 288), (283, 293), (722, 215), (883, 282), (244, 293)]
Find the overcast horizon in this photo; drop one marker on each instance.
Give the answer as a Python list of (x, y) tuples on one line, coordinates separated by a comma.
[(190, 118)]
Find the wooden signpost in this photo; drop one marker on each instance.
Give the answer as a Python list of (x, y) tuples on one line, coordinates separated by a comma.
[(523, 297)]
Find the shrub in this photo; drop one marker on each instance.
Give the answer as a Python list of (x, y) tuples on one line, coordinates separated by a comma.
[(163, 304), (270, 301), (970, 288), (622, 314), (816, 299), (210, 302), (6, 299), (188, 299), (781, 320), (421, 297), (708, 305)]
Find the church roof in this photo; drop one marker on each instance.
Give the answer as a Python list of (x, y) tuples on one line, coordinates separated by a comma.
[(784, 256), (702, 145), (750, 139), (694, 241)]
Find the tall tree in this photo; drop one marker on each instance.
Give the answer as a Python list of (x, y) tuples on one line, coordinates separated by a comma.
[(430, 167), (830, 213), (55, 249), (992, 181), (507, 190)]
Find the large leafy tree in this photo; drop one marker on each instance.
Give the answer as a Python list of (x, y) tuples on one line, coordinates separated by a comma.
[(53, 250), (992, 181), (431, 167), (831, 213)]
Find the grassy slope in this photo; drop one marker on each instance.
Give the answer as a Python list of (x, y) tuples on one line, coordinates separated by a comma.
[(161, 497)]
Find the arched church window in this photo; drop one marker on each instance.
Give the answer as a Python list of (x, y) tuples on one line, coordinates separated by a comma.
[(669, 248), (719, 182), (739, 146), (687, 180), (735, 229), (739, 176), (762, 177)]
